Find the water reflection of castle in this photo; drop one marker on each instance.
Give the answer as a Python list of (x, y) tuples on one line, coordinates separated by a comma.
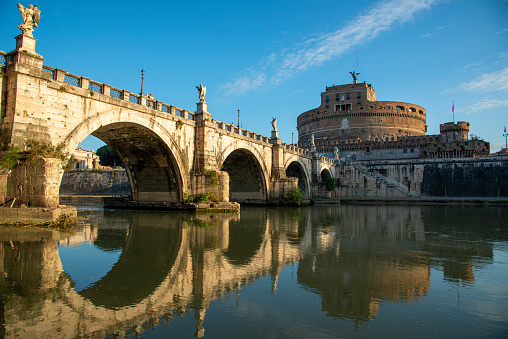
[(353, 257)]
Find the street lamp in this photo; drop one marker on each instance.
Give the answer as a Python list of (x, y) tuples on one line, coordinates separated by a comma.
[(292, 133), (238, 118), (142, 78)]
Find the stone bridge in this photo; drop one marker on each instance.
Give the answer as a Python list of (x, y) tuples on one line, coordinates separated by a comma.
[(168, 152)]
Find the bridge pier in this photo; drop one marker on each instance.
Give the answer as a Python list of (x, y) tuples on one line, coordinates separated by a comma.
[(35, 184)]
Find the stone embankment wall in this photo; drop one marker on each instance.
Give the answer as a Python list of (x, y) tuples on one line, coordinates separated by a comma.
[(473, 177), (95, 182)]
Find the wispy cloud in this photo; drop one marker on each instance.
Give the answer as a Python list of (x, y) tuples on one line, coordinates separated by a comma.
[(484, 105), (502, 31), (278, 67), (488, 82)]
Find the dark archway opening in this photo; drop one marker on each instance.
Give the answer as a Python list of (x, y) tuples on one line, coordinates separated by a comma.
[(246, 180), (325, 174), (151, 167), (296, 170)]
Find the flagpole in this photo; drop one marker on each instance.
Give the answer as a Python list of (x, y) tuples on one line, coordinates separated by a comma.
[(453, 110)]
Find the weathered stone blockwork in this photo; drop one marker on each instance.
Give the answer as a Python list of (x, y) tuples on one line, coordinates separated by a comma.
[(95, 182), (423, 178), (35, 183)]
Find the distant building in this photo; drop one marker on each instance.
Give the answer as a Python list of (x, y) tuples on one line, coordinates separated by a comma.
[(85, 159), (351, 119)]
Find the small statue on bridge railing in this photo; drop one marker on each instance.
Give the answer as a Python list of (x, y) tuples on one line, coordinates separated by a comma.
[(31, 17), (202, 93), (274, 123), (336, 151), (312, 140)]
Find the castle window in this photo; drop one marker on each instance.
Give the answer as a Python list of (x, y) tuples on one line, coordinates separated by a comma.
[(412, 109), (359, 95), (389, 107), (347, 96), (327, 98), (359, 102), (399, 108), (327, 105), (337, 97), (420, 111)]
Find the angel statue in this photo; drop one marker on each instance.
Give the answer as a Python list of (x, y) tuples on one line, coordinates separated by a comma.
[(355, 77), (336, 151), (31, 17), (312, 140), (274, 123), (202, 93)]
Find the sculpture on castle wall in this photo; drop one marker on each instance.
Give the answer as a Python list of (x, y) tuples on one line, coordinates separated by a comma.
[(30, 16), (355, 77), (202, 93), (274, 123), (336, 151), (312, 140)]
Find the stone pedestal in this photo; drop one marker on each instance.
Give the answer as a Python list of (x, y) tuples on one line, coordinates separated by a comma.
[(275, 134), (26, 43), (202, 107), (202, 112)]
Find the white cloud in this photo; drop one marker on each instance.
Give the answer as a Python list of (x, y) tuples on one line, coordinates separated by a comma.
[(502, 31), (484, 105), (488, 82), (278, 67)]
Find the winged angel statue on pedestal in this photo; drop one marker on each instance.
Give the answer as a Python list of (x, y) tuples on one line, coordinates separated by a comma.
[(31, 16)]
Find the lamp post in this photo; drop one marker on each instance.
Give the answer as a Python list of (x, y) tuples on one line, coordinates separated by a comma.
[(238, 118), (292, 133), (142, 78)]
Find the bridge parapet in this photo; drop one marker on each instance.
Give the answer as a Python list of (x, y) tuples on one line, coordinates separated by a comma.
[(148, 101)]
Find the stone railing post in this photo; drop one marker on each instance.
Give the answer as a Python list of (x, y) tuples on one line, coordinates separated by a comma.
[(106, 90), (60, 74), (125, 95), (84, 82)]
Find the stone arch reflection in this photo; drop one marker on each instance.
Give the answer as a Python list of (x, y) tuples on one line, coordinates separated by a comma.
[(245, 237), (140, 268)]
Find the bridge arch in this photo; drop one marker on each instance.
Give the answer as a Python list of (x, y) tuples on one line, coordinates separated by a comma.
[(325, 174), (248, 174), (152, 159), (297, 169)]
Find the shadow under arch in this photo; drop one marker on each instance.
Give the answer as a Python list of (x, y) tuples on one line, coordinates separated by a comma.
[(296, 170), (140, 268), (325, 174), (152, 159), (247, 180)]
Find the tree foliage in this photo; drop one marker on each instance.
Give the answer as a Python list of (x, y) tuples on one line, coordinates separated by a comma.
[(330, 184), (295, 195), (108, 157)]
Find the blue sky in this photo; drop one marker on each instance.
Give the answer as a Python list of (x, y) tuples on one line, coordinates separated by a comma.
[(274, 58)]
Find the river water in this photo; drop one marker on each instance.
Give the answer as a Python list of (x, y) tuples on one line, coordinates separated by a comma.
[(322, 271)]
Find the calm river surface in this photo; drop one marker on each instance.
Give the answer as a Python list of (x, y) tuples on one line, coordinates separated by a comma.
[(322, 271)]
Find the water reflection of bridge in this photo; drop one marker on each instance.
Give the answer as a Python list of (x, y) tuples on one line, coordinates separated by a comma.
[(354, 258)]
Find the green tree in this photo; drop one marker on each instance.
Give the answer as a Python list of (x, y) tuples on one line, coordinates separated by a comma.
[(108, 157), (330, 184)]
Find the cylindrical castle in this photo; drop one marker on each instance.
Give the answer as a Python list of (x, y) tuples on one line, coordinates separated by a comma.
[(352, 112)]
